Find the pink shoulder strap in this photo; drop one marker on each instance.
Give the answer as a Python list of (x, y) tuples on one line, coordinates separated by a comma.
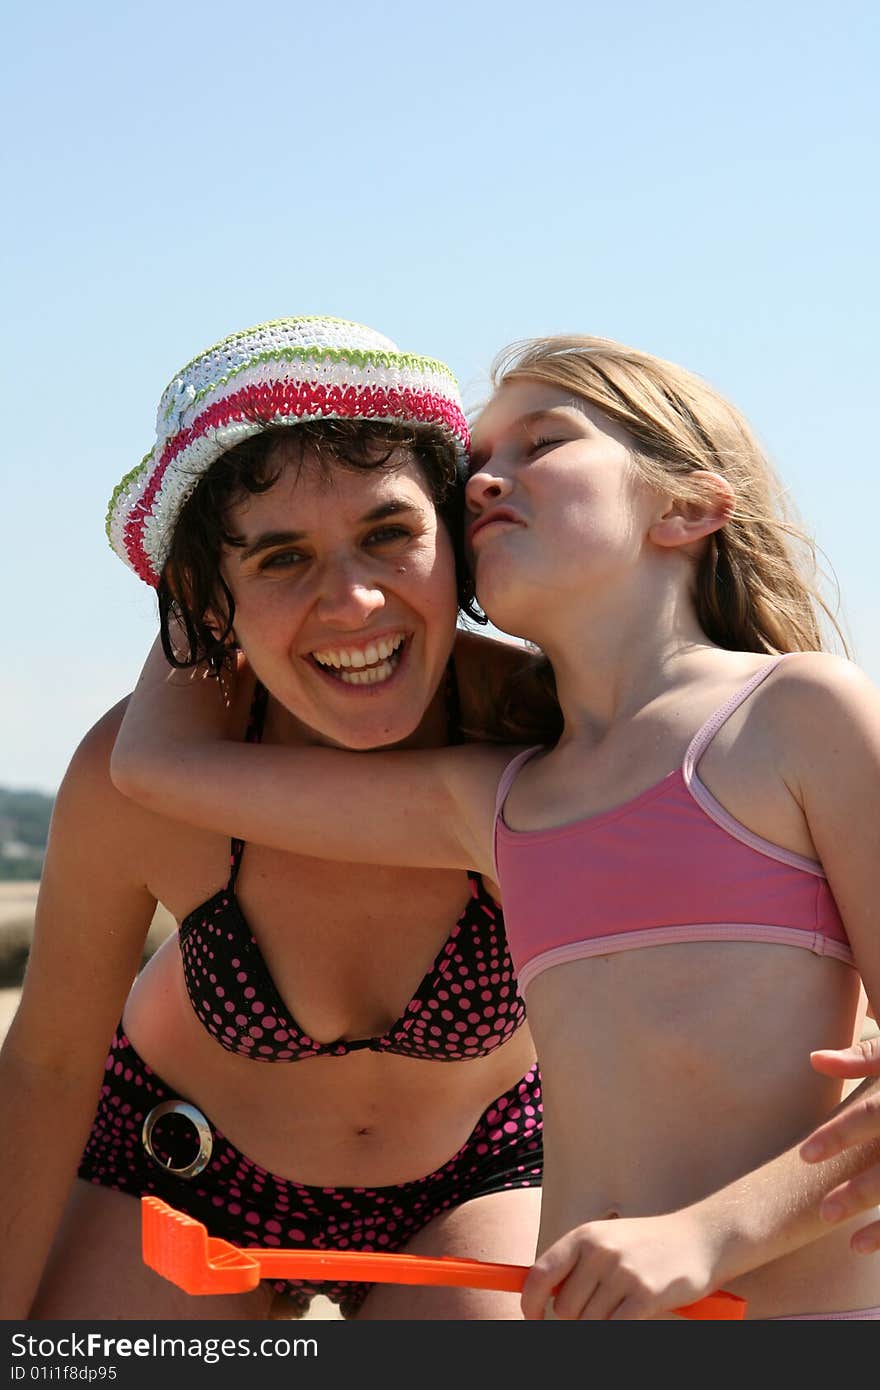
[(509, 773), (505, 782), (705, 734)]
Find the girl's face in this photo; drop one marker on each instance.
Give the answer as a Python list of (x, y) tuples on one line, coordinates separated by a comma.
[(557, 507), (345, 597)]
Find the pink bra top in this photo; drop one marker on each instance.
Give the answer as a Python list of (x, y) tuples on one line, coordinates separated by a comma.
[(670, 865)]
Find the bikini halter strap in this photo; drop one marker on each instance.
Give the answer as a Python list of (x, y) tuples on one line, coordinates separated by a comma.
[(254, 734)]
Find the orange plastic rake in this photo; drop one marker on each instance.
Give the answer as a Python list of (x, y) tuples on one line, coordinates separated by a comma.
[(180, 1249)]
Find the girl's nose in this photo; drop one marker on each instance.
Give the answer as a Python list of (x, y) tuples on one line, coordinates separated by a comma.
[(484, 486)]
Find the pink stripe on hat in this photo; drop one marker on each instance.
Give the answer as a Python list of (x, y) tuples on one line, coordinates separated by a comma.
[(279, 373)]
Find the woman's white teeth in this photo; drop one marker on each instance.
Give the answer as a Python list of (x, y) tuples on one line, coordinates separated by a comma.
[(363, 666), (368, 677)]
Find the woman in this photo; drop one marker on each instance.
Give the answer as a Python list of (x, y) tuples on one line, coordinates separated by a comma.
[(272, 1070)]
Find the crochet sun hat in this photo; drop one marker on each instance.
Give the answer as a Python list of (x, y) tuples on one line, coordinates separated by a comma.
[(278, 373)]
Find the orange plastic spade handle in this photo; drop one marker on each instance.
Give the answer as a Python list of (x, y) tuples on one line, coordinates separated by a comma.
[(715, 1307), (180, 1249)]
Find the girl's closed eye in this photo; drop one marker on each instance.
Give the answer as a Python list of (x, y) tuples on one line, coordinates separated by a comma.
[(536, 445)]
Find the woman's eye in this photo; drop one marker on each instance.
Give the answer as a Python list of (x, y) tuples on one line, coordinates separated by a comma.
[(385, 535), (282, 559), (538, 444)]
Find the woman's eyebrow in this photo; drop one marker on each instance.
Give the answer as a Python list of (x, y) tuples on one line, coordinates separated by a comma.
[(268, 540), (394, 506)]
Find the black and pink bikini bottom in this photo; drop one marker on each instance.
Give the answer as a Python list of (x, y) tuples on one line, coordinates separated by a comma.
[(241, 1202)]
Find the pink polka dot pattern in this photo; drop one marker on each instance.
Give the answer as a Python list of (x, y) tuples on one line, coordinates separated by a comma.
[(237, 1199), (467, 1005)]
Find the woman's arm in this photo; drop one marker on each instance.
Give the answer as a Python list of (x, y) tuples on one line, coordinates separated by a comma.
[(422, 807), (857, 1124), (91, 921)]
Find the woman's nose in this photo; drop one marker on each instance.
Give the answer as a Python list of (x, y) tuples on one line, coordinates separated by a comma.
[(485, 486), (349, 596)]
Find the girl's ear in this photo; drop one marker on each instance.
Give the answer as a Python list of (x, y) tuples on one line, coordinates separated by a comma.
[(684, 522)]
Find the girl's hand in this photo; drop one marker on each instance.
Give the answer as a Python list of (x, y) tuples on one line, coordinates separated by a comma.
[(858, 1123), (637, 1267)]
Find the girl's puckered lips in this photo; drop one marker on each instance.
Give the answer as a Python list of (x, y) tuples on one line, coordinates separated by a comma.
[(490, 518)]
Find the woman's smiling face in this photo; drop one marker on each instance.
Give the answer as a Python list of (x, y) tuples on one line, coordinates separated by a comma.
[(345, 594)]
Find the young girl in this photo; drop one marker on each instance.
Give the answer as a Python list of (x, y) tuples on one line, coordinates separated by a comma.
[(689, 874)]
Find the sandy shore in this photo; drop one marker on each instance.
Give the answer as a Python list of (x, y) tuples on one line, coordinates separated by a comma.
[(8, 1006)]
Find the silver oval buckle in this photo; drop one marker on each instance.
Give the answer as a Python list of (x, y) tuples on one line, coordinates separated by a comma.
[(202, 1128)]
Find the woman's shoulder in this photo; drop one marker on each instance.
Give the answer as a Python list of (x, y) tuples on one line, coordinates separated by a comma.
[(506, 689), (94, 824), (87, 793), (91, 757), (480, 656)]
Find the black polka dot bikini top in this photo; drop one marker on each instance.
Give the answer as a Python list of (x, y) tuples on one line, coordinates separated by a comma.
[(467, 1005)]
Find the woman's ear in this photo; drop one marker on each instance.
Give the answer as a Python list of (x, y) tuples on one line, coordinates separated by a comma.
[(218, 628), (685, 521)]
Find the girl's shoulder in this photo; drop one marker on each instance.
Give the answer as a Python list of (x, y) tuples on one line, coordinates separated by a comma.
[(820, 682), (822, 708)]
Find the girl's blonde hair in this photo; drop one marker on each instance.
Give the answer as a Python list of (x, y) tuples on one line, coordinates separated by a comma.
[(756, 582)]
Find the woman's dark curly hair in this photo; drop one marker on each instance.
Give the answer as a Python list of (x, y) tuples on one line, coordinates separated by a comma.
[(192, 589)]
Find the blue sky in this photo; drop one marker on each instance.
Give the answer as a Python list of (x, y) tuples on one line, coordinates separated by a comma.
[(697, 180)]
